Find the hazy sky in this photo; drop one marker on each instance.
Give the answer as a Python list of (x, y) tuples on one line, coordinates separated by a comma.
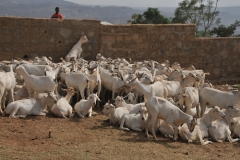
[(148, 3)]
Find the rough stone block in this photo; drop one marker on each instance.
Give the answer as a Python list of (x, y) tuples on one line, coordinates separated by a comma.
[(164, 29), (30, 31), (179, 28), (162, 37), (8, 47), (143, 38), (38, 39), (23, 22), (135, 37), (7, 30), (65, 32), (191, 36), (182, 37), (39, 22), (117, 45), (205, 43), (127, 38), (139, 29), (91, 34), (6, 21), (172, 37), (106, 29), (127, 29), (130, 45), (4, 55), (119, 38), (6, 38), (55, 23), (196, 44), (190, 28), (108, 38)]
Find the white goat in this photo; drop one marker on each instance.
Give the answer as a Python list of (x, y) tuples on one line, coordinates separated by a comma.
[(201, 129), (213, 97), (26, 107), (77, 49), (114, 114), (160, 108), (112, 83), (176, 75), (189, 98), (219, 129), (131, 121), (155, 89), (173, 88), (235, 127), (95, 82), (132, 108), (135, 121), (37, 70), (84, 107), (77, 80), (40, 84), (62, 108), (7, 84), (130, 98)]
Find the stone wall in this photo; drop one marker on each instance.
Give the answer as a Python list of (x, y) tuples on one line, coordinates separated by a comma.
[(176, 43), (27, 37), (140, 42)]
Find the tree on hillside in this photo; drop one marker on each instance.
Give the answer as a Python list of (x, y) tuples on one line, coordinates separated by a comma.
[(225, 31), (151, 16), (203, 13), (136, 19)]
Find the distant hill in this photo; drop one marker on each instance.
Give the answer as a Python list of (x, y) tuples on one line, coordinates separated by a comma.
[(111, 14), (45, 9)]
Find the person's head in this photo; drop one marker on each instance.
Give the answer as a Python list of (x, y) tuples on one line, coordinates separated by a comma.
[(57, 9)]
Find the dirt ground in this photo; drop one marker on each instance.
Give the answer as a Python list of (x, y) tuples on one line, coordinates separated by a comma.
[(94, 138)]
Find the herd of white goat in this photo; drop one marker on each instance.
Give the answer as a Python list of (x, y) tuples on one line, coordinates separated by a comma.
[(144, 95)]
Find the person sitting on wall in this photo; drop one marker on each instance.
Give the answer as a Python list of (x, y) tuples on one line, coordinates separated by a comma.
[(57, 14)]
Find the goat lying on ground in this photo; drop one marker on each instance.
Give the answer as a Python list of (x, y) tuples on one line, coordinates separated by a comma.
[(132, 108), (115, 114), (219, 129), (201, 129), (133, 121), (62, 108), (84, 107), (26, 107)]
